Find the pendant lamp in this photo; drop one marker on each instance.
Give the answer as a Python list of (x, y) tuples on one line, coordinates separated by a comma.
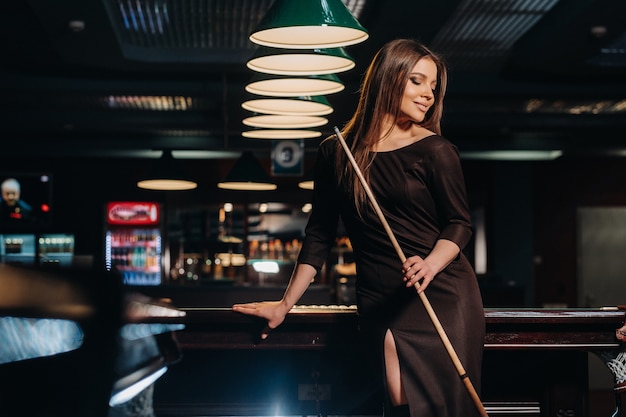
[(281, 61), (168, 175), (279, 121), (307, 183), (295, 106), (284, 86), (281, 134), (247, 175), (308, 24)]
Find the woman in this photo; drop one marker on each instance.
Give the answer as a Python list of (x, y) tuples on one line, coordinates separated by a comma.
[(416, 178)]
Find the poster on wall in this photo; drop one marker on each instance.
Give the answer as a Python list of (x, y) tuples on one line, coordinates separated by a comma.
[(287, 157)]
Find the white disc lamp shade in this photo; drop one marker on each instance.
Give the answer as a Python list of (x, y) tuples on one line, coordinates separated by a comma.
[(295, 106), (281, 134), (247, 175), (277, 121), (306, 184), (168, 175), (166, 184), (285, 86), (300, 62), (308, 24)]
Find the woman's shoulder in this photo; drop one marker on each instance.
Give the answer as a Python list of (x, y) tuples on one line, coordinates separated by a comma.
[(436, 149), (438, 142), (442, 151), (430, 144)]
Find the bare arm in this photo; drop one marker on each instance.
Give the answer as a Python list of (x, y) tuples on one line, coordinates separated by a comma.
[(275, 311)]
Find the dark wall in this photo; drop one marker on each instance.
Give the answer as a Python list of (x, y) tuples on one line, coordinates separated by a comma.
[(531, 221), (560, 187)]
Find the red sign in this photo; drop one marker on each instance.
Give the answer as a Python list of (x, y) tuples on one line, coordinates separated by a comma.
[(133, 213)]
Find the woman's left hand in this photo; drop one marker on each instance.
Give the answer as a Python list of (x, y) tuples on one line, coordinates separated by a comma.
[(417, 272)]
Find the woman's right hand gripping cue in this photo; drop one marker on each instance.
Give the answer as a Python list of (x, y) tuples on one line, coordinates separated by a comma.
[(273, 312)]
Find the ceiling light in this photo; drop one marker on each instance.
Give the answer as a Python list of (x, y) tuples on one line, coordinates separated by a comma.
[(306, 184), (281, 134), (277, 121), (153, 103), (307, 181), (308, 24), (283, 86), (200, 154), (167, 185), (283, 61), (247, 175), (296, 106), (513, 155), (167, 175)]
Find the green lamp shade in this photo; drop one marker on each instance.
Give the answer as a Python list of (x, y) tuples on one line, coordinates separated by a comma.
[(278, 121), (304, 24), (294, 106), (283, 61), (247, 175), (284, 86), (281, 134)]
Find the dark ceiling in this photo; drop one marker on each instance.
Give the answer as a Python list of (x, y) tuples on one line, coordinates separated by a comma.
[(127, 78)]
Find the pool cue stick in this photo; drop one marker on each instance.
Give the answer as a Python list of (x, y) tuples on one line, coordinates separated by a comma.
[(431, 313)]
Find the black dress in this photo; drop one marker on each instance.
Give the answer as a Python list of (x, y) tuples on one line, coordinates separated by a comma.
[(420, 189)]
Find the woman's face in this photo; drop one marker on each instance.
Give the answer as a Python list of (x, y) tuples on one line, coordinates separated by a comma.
[(419, 93)]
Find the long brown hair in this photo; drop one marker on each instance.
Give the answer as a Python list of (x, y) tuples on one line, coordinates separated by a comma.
[(385, 77)]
